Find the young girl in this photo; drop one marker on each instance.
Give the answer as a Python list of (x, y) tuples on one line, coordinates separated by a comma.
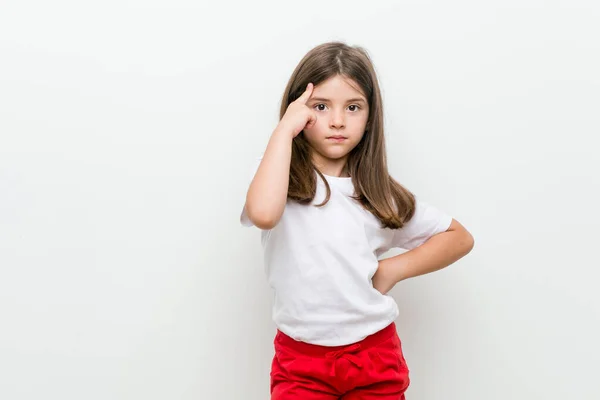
[(328, 209)]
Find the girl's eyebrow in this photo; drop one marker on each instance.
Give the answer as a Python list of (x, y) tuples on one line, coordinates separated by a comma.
[(356, 100)]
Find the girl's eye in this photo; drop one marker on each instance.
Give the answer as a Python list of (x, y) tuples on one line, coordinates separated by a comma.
[(356, 108)]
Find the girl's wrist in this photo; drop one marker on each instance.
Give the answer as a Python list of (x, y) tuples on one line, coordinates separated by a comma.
[(398, 267), (283, 129)]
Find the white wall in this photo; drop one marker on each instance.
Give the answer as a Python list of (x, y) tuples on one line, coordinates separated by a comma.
[(126, 131)]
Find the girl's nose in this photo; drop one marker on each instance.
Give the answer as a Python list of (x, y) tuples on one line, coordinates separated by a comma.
[(337, 120)]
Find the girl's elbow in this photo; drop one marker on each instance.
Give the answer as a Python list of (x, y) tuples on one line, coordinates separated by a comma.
[(263, 219), (265, 224), (469, 242)]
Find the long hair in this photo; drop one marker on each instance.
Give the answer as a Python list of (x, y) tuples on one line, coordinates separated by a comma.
[(375, 189)]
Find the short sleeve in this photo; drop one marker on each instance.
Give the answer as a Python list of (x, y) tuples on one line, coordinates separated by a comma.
[(244, 220), (425, 223)]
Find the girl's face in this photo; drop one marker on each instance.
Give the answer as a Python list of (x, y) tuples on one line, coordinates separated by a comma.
[(342, 112)]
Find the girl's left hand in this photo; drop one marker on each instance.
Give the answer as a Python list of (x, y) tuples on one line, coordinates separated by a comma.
[(386, 275)]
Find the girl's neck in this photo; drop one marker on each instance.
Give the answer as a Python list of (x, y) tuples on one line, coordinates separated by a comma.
[(336, 168)]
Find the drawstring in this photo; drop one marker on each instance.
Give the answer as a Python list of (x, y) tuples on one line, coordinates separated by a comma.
[(346, 353)]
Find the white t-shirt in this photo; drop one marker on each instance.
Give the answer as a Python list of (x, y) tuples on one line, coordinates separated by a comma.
[(320, 261)]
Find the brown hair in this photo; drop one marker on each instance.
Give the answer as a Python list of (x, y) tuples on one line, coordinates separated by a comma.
[(375, 189)]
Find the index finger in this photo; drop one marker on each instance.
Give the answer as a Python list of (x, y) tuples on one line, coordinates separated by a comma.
[(306, 95)]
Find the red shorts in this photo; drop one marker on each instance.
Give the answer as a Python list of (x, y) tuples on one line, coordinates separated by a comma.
[(373, 368)]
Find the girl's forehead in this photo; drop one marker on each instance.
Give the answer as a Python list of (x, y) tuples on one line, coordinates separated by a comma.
[(338, 88)]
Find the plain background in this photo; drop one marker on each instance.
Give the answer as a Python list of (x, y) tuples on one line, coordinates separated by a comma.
[(127, 134)]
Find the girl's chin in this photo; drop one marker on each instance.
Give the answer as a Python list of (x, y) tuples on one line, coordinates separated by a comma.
[(330, 151)]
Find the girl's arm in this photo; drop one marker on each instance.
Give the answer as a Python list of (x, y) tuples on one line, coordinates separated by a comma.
[(436, 253), (267, 194)]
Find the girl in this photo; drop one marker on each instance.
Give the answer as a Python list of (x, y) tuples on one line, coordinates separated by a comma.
[(328, 208)]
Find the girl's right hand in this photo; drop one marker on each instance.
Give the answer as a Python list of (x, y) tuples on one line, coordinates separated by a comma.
[(298, 116)]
